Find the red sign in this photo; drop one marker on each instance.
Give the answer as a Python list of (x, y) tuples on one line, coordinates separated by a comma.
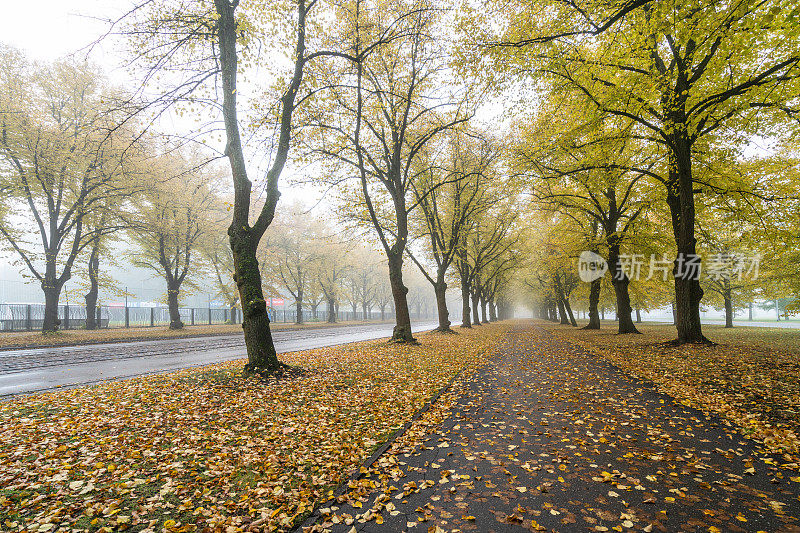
[(276, 302)]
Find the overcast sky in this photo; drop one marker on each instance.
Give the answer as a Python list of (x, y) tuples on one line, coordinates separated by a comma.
[(48, 29)]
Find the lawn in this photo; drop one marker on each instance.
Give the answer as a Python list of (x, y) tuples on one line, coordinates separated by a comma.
[(208, 449), (33, 339), (751, 376)]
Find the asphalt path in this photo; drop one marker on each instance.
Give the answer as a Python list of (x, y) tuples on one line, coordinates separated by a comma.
[(549, 437), (40, 369)]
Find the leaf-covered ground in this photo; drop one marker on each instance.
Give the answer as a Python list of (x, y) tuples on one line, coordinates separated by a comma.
[(549, 437), (32, 339), (206, 449), (751, 377)]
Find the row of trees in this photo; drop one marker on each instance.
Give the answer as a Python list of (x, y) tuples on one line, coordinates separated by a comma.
[(664, 128), (368, 101), (75, 166), (171, 205), (634, 133)]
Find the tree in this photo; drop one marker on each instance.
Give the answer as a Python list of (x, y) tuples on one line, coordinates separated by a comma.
[(62, 159), (682, 72), (383, 295), (489, 241), (450, 193), (292, 252), (380, 127), (581, 162), (331, 269), (197, 45), (217, 253), (362, 281), (551, 268), (727, 237), (98, 247), (170, 219)]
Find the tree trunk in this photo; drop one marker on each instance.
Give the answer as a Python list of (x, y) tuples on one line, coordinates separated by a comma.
[(476, 319), (620, 283), (674, 315), (750, 311), (175, 322), (402, 329), (726, 295), (440, 289), (466, 321), (638, 316), (562, 312), (680, 199), (594, 301), (244, 239), (484, 317), (261, 354), (233, 314), (603, 312), (553, 310), (569, 313), (298, 307), (52, 293), (383, 312), (331, 311), (94, 288), (492, 311)]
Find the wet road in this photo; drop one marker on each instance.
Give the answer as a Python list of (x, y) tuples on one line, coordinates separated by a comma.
[(40, 369)]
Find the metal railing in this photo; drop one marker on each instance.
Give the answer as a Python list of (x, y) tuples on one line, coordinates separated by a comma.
[(30, 317)]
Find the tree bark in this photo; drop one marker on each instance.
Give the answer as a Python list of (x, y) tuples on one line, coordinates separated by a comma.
[(562, 312), (476, 319), (750, 311), (569, 313), (52, 293), (298, 306), (594, 302), (331, 311), (680, 199), (261, 354), (492, 311), (638, 316), (94, 288), (440, 290), (620, 283), (726, 295), (563, 301), (466, 321), (175, 322), (402, 329), (244, 238)]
